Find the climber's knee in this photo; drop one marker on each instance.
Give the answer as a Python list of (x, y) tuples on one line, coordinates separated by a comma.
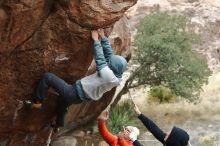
[(47, 76)]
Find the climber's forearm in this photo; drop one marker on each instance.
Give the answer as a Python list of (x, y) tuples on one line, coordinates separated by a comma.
[(108, 51), (99, 56)]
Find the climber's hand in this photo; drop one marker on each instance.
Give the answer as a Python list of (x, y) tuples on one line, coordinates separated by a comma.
[(101, 33), (95, 35)]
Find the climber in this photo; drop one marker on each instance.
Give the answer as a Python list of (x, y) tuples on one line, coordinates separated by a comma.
[(126, 137), (177, 136), (109, 69)]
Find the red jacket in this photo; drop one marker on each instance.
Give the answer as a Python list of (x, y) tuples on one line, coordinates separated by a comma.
[(112, 140)]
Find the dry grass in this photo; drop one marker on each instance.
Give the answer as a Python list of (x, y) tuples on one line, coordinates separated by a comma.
[(201, 120), (182, 110)]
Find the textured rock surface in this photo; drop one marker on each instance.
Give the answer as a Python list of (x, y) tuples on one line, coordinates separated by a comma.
[(46, 35), (203, 14)]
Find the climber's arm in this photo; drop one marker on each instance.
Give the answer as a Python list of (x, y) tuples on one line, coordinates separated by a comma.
[(108, 51), (99, 55)]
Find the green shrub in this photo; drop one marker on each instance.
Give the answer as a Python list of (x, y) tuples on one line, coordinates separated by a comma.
[(166, 55), (121, 115), (161, 94)]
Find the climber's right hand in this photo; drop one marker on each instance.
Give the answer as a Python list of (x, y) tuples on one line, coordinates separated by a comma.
[(101, 32), (95, 35)]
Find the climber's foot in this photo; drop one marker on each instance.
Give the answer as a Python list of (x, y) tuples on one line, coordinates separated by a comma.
[(31, 104), (56, 128)]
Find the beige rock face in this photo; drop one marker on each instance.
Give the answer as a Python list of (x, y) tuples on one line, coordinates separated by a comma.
[(204, 16), (46, 35)]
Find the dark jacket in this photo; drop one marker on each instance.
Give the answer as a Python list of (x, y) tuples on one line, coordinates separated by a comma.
[(153, 128), (177, 137)]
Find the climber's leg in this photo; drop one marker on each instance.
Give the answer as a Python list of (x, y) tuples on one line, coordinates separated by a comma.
[(48, 80), (61, 113), (70, 97)]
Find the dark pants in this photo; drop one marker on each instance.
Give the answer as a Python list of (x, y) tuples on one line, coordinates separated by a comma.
[(67, 93)]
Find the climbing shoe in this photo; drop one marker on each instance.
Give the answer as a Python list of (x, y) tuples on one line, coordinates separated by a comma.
[(31, 104), (55, 127)]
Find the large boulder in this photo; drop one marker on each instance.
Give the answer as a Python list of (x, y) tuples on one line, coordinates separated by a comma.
[(47, 35)]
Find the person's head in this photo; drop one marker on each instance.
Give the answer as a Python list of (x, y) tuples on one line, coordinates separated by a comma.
[(177, 137), (125, 132), (117, 64)]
